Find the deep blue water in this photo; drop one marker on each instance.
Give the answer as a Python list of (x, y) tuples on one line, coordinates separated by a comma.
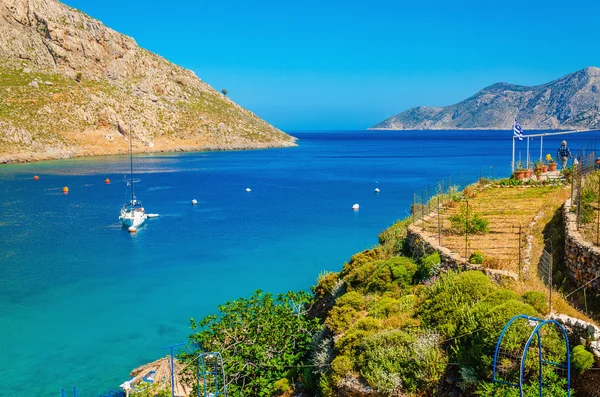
[(82, 301)]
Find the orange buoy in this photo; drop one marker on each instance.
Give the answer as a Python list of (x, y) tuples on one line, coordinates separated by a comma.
[(107, 181), (36, 178), (65, 190)]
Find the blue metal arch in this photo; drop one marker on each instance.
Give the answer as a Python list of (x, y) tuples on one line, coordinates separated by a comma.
[(568, 366), (214, 370), (540, 323)]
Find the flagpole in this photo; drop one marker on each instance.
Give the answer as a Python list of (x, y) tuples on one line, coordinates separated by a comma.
[(527, 157), (512, 164), (541, 145)]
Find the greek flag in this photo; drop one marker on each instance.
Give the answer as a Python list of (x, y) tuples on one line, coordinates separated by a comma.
[(518, 130)]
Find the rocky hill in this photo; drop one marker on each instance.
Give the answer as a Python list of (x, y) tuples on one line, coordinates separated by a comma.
[(571, 102), (70, 86)]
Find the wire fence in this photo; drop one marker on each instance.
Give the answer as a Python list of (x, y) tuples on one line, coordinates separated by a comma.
[(443, 210), (585, 197)]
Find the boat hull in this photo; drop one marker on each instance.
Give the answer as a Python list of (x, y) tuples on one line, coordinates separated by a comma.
[(132, 218)]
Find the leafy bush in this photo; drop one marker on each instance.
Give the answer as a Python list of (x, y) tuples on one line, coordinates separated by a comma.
[(475, 224), (361, 274), (353, 299), (258, 337), (428, 266), (482, 323), (450, 296), (552, 386), (362, 258), (341, 366), (341, 318), (581, 359), (381, 276), (326, 285), (588, 196), (476, 258), (395, 362), (536, 299), (384, 307), (282, 386), (392, 238)]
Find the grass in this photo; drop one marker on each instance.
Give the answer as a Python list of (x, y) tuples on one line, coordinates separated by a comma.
[(531, 208)]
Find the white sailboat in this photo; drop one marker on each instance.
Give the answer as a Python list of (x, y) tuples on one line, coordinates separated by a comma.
[(132, 212)]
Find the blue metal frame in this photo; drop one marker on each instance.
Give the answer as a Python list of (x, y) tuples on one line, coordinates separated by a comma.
[(535, 332), (217, 370), (173, 366)]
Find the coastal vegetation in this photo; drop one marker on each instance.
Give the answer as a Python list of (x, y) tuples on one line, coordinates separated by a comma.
[(393, 323)]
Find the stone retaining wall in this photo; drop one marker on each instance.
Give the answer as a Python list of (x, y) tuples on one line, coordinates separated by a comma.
[(582, 257), (422, 244)]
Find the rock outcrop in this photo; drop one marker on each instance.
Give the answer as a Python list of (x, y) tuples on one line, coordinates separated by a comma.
[(70, 86), (571, 102)]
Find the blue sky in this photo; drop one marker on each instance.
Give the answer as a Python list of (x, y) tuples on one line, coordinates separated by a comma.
[(349, 64)]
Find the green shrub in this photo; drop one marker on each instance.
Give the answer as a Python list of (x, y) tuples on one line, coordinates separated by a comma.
[(538, 300), (259, 337), (361, 258), (282, 385), (368, 324), (341, 318), (392, 238), (360, 275), (581, 359), (353, 299), (381, 276), (395, 362), (475, 225), (350, 341), (326, 284), (341, 366), (482, 323), (384, 307), (476, 258), (451, 295), (428, 266)]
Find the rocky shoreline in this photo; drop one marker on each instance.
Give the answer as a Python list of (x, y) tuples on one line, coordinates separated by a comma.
[(24, 157)]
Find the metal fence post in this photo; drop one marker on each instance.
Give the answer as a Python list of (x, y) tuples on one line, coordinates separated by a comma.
[(578, 193), (598, 226), (467, 233), (439, 224), (520, 243), (550, 284)]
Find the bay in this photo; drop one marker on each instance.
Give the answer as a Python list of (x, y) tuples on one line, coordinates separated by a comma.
[(82, 301)]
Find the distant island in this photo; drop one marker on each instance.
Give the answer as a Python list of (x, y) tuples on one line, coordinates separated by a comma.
[(70, 86), (571, 102)]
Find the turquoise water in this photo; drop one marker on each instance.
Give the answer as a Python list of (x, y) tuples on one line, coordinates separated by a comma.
[(82, 301)]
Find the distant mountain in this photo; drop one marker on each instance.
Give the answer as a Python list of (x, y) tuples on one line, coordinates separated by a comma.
[(70, 86), (571, 102)]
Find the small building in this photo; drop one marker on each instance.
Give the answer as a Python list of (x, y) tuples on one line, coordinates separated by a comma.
[(109, 137)]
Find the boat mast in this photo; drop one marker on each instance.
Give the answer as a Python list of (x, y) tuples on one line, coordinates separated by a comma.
[(131, 160)]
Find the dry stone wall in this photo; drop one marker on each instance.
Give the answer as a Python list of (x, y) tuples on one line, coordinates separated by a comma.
[(422, 244), (582, 257)]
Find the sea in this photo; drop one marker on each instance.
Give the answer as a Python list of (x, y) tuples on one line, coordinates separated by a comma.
[(83, 301)]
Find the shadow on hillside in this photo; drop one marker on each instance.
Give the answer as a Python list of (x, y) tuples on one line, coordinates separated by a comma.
[(585, 300)]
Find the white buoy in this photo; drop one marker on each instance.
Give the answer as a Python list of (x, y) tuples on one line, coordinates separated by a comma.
[(355, 207), (248, 189), (377, 190), (194, 202), (132, 229)]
